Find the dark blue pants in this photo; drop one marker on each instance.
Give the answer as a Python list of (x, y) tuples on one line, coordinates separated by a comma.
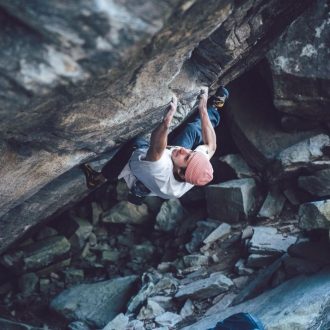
[(240, 321), (191, 135)]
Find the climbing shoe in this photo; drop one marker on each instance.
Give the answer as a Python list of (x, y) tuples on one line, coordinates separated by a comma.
[(220, 97), (93, 178)]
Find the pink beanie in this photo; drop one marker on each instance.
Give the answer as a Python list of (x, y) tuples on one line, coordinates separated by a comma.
[(199, 171)]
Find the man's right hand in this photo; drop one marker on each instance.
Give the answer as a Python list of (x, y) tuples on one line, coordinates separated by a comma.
[(202, 106), (158, 140), (171, 111)]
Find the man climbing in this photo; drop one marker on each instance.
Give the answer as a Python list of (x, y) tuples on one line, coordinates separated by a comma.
[(169, 172)]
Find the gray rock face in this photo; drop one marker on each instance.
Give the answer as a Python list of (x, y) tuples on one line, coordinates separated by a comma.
[(299, 304), (315, 215), (168, 319), (204, 228), (56, 133), (96, 304), (238, 165), (205, 288), (7, 324), (254, 125), (317, 184), (222, 231), (304, 152), (53, 44), (300, 82), (170, 215), (266, 241), (231, 200), (120, 322), (126, 212), (273, 204), (37, 255)]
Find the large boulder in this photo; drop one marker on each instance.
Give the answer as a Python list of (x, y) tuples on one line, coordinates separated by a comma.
[(200, 44), (315, 215), (317, 184), (47, 44), (299, 65), (299, 304), (96, 304), (232, 200), (254, 124)]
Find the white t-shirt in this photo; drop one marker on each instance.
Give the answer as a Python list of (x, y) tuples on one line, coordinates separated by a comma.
[(157, 176)]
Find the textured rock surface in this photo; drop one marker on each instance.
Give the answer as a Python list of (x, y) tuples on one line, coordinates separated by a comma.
[(254, 124), (315, 215), (125, 212), (231, 200), (301, 303), (205, 288), (300, 82), (46, 44), (170, 215), (56, 133), (96, 304), (317, 184), (267, 241)]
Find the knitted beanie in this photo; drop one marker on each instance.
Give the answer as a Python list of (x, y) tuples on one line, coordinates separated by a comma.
[(199, 170)]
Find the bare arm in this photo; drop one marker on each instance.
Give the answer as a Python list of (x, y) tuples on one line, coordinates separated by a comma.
[(158, 140), (208, 133)]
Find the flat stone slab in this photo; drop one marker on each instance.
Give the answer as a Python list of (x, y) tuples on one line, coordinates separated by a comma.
[(315, 215), (95, 304), (304, 151), (267, 241), (205, 288), (126, 212), (222, 231), (253, 124), (273, 204), (317, 184), (300, 83), (238, 165), (231, 200), (170, 214), (301, 303)]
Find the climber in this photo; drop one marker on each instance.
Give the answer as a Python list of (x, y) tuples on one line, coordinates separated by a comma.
[(165, 171)]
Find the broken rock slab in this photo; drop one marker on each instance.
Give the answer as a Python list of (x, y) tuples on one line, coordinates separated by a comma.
[(308, 154), (273, 204), (253, 123), (37, 255), (204, 228), (222, 231), (267, 241), (168, 319), (126, 212), (120, 322), (231, 200), (241, 268), (215, 284), (233, 166), (317, 184), (299, 66), (301, 303), (8, 324), (150, 311), (170, 215), (95, 304), (315, 215), (259, 260)]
